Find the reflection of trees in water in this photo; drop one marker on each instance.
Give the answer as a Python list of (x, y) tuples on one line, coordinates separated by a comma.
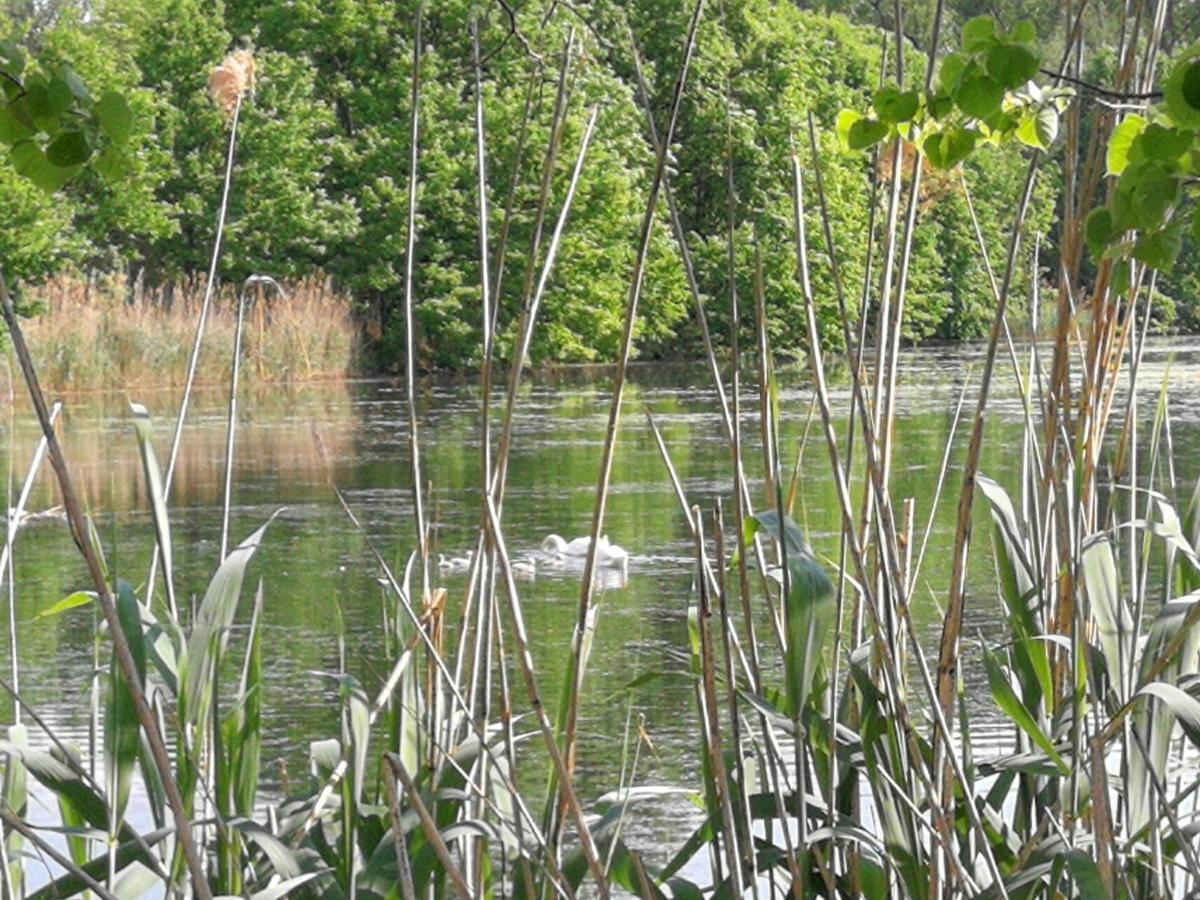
[(274, 442)]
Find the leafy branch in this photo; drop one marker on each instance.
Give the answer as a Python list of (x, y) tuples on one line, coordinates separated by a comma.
[(985, 93), (53, 126)]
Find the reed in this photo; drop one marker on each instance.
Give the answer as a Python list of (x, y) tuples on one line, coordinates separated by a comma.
[(834, 747), (88, 336)]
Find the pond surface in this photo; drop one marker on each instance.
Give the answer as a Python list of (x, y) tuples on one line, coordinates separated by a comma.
[(317, 571)]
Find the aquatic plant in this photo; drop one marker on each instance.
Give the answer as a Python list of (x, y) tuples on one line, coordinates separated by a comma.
[(847, 768)]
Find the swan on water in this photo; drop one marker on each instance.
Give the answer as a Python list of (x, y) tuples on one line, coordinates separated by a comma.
[(607, 554), (53, 514), (524, 570), (455, 565)]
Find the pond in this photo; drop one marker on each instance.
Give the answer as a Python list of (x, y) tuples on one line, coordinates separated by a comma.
[(317, 571)]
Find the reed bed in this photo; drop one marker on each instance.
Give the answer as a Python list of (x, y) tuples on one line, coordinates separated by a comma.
[(89, 334), (835, 747)]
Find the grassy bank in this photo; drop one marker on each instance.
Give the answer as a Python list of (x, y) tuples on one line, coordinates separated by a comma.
[(100, 335)]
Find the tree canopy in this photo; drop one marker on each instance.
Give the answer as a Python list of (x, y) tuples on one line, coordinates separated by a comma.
[(321, 176)]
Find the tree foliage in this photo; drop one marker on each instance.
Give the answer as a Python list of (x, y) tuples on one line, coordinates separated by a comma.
[(321, 175)]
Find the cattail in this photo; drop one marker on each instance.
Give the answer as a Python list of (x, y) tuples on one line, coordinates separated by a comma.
[(231, 79)]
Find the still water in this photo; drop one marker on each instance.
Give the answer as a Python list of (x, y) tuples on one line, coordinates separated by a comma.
[(317, 571)]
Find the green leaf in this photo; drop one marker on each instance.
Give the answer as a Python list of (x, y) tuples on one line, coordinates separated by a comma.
[(1160, 249), (71, 601), (1011, 706), (950, 72), (1023, 32), (1117, 157), (1113, 622), (213, 619), (116, 118), (144, 430), (1011, 64), (132, 850), (77, 88), (845, 121), (865, 133), (979, 96), (121, 724), (1088, 883), (1099, 230), (856, 132), (1181, 93), (29, 161), (47, 100), (1183, 705), (1145, 192), (1163, 143), (1039, 128), (12, 128), (12, 59), (69, 148), (946, 149), (893, 106), (978, 34)]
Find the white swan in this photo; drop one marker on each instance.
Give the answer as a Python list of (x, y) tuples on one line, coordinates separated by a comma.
[(455, 565), (53, 514), (556, 546), (607, 554), (524, 569)]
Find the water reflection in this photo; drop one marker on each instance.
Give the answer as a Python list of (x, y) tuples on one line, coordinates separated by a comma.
[(317, 571)]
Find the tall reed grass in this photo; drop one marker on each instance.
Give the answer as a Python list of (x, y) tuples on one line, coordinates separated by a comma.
[(90, 335), (835, 749)]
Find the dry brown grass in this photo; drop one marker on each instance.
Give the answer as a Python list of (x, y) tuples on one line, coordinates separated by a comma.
[(93, 338)]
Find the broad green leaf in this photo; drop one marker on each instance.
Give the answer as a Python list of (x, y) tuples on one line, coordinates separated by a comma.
[(1117, 156), (845, 121), (979, 96), (13, 128), (1160, 249), (893, 106), (865, 133), (950, 72), (1145, 192), (978, 33), (12, 59), (1098, 230), (1039, 128), (946, 149), (1160, 142), (1023, 32), (47, 100), (69, 148), (1011, 64), (1181, 93)]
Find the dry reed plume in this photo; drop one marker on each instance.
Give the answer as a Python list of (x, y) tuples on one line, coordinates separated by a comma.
[(231, 79)]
